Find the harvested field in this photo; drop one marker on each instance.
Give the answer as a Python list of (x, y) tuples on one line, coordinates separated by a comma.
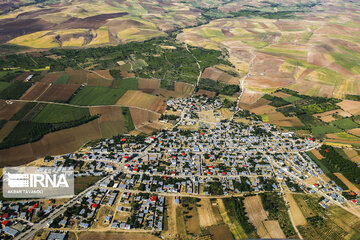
[(281, 95), (7, 128), (126, 74), (35, 91), (274, 229), (350, 153), (356, 159), (352, 107), (56, 143), (355, 131), (148, 85), (250, 97), (185, 89), (133, 98), (255, 211), (170, 216), (220, 232), (141, 117), (100, 82), (317, 154), (50, 77), (349, 184), (105, 74), (76, 76), (112, 128), (206, 214), (192, 220), (59, 92), (328, 116), (295, 211), (218, 75), (8, 110), (116, 236), (259, 103), (266, 109), (166, 93), (108, 113), (206, 93)]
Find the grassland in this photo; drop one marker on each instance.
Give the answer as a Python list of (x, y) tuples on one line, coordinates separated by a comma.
[(62, 79), (53, 113), (81, 183), (90, 96), (128, 119), (320, 130), (345, 123), (15, 90), (3, 85)]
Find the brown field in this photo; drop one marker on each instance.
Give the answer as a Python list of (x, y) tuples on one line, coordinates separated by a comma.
[(50, 77), (35, 91), (349, 184), (206, 214), (266, 109), (288, 122), (100, 74), (148, 85), (328, 116), (141, 117), (170, 217), (126, 74), (99, 82), (296, 213), (7, 128), (22, 77), (220, 232), (8, 110), (259, 103), (355, 131), (108, 113), (116, 236), (218, 75), (133, 98), (192, 223), (317, 154), (76, 76), (280, 94), (166, 93), (250, 97), (206, 93), (60, 142), (185, 89), (351, 153), (216, 210), (59, 92), (110, 129), (352, 107), (356, 159)]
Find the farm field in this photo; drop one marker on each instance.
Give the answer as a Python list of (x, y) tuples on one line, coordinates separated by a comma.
[(89, 96), (142, 100), (59, 92), (53, 113)]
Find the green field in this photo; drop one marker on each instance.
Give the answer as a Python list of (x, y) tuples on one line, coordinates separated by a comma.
[(3, 85), (345, 124), (318, 130), (23, 111), (126, 84), (90, 96), (62, 79), (292, 99), (15, 90), (128, 119), (53, 113), (265, 118), (81, 183)]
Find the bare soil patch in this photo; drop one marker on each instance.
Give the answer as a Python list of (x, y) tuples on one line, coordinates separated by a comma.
[(352, 107), (355, 131), (317, 154), (349, 184), (108, 113), (50, 78), (59, 92), (148, 85), (76, 76), (351, 153), (220, 232), (274, 229), (218, 75), (141, 117), (209, 94), (250, 97), (185, 89), (206, 214), (266, 109), (8, 110), (255, 210), (296, 213), (134, 98), (192, 220), (35, 91)]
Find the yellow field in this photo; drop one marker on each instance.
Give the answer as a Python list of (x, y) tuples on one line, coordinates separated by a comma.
[(36, 40), (74, 42), (101, 36)]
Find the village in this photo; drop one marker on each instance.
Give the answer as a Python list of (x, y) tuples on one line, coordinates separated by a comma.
[(136, 175)]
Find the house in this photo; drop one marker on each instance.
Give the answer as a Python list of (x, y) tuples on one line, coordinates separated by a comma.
[(56, 236), (10, 231)]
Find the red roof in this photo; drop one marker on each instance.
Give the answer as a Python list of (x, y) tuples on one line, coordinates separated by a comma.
[(173, 173), (123, 139), (224, 173), (354, 201), (210, 155), (30, 209), (209, 173), (5, 222), (126, 157), (34, 206), (326, 150), (152, 137), (94, 205), (202, 133), (153, 198), (135, 169), (184, 154), (210, 167), (164, 177), (352, 193), (311, 139)]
